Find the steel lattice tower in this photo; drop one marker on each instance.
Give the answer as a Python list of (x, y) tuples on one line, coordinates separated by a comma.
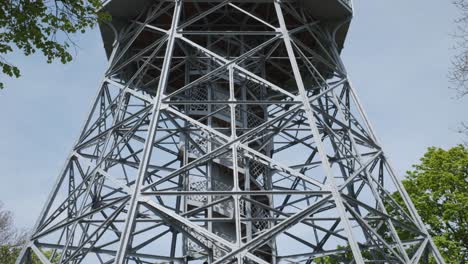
[(227, 132)]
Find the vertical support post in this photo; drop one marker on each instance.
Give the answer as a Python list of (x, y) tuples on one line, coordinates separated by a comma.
[(245, 124), (316, 134), (235, 164), (156, 109), (209, 166)]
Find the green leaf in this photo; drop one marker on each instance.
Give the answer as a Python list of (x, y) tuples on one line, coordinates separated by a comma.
[(44, 26), (438, 187)]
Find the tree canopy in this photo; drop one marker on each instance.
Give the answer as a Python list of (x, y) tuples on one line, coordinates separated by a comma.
[(47, 26), (11, 239), (459, 71), (438, 187), (458, 74)]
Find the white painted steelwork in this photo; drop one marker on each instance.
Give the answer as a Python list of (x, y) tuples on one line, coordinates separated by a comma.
[(227, 132)]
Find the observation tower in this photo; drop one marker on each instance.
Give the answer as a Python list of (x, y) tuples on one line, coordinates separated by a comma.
[(227, 132)]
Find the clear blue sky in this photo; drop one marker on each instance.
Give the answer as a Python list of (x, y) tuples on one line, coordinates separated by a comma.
[(397, 53)]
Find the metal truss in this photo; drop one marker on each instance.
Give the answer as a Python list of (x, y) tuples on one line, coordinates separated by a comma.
[(227, 132)]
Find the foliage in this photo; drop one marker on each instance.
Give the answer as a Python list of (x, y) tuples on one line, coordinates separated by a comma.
[(336, 259), (43, 25), (458, 75), (11, 239), (438, 187), (9, 254), (9, 235), (459, 72), (464, 131)]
